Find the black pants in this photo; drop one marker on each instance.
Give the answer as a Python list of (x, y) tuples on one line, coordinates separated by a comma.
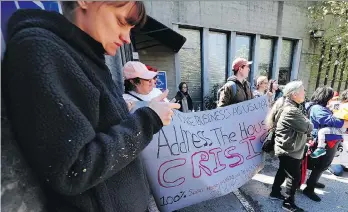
[(319, 165), (290, 169)]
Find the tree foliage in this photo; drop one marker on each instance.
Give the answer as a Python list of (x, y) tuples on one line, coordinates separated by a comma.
[(332, 17)]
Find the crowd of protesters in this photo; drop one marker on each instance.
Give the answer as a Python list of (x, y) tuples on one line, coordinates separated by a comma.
[(301, 128), (82, 134)]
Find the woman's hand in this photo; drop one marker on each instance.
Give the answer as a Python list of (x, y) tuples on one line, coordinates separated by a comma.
[(345, 125), (163, 109), (130, 104)]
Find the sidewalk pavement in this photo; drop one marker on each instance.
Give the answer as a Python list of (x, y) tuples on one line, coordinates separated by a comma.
[(256, 192), (334, 196), (227, 203)]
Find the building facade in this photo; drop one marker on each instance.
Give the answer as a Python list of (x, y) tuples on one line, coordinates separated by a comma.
[(273, 34)]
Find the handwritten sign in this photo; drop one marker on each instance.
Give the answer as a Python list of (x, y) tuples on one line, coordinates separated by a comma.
[(207, 154)]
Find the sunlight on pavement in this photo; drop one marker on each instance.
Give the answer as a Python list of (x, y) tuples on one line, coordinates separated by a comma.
[(264, 178), (334, 195), (343, 179)]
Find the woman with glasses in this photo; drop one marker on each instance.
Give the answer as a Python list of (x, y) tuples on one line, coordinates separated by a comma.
[(139, 83)]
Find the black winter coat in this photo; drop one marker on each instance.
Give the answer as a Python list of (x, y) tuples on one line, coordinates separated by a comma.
[(69, 118)]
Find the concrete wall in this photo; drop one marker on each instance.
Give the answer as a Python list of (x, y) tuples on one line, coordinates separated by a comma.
[(295, 24), (20, 189), (163, 59), (278, 19)]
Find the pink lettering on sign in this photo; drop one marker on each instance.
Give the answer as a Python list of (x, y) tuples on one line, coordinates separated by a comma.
[(197, 166), (208, 162), (218, 165), (230, 155), (251, 149), (167, 166)]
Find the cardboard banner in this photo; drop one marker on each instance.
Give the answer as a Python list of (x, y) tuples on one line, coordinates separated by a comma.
[(207, 154)]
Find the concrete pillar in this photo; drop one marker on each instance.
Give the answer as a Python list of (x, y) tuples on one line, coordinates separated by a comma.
[(254, 71), (177, 61), (205, 61), (280, 16), (276, 58), (296, 60), (231, 52)]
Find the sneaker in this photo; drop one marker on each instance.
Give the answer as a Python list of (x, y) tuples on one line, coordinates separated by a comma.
[(319, 185), (311, 195), (276, 196), (318, 152), (345, 168), (291, 207)]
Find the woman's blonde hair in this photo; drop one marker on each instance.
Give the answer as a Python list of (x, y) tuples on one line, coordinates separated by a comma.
[(260, 79)]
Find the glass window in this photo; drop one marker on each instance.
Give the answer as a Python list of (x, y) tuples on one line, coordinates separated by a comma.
[(285, 61), (243, 46), (190, 64), (217, 58), (266, 57)]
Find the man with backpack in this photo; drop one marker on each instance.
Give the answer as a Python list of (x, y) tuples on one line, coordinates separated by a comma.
[(237, 88)]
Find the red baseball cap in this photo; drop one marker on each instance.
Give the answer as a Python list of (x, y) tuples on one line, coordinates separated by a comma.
[(239, 62), (150, 68)]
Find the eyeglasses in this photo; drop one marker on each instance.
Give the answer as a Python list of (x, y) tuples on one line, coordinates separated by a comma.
[(184, 87), (149, 80)]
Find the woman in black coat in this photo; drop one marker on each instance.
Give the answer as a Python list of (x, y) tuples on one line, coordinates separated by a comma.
[(183, 98), (68, 116)]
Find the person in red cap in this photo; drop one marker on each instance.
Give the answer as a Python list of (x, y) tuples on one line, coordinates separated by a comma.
[(237, 89)]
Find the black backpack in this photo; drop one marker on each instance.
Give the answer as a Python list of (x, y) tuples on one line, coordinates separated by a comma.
[(234, 90)]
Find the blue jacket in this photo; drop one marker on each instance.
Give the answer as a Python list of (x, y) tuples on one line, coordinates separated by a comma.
[(322, 117)]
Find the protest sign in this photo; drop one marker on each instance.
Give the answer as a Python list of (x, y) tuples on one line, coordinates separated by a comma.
[(207, 154)]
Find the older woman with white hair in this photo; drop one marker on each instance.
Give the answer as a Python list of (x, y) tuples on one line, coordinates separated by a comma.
[(291, 128)]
